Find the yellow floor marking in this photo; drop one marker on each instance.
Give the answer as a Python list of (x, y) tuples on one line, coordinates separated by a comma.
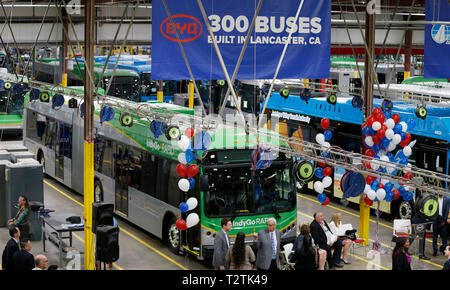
[(123, 230)]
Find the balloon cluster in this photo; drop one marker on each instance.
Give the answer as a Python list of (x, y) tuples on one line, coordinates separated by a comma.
[(382, 133), (323, 172), (188, 172)]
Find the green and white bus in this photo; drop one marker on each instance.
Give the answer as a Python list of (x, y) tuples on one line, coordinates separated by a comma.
[(137, 173)]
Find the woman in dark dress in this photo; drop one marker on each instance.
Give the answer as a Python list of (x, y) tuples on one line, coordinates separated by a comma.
[(305, 257), (401, 260)]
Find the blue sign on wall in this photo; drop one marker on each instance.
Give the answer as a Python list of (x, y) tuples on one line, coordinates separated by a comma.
[(307, 55), (437, 40)]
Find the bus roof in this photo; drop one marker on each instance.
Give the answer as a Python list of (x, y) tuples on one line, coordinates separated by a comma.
[(436, 125)]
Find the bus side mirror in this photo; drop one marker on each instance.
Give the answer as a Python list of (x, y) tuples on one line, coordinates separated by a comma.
[(204, 183)]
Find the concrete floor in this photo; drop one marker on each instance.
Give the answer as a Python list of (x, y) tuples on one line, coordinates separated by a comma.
[(141, 250)]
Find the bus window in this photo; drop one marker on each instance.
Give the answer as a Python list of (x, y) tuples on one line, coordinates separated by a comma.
[(65, 140), (440, 162), (50, 133), (167, 185), (134, 168), (103, 156), (32, 127), (148, 174)]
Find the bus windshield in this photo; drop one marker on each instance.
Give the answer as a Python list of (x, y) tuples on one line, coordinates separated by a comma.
[(149, 87), (124, 87), (237, 190), (10, 104)]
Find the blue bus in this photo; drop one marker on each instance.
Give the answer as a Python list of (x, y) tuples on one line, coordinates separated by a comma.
[(301, 119)]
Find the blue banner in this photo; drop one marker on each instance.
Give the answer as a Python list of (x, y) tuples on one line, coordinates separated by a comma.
[(307, 55), (437, 40)]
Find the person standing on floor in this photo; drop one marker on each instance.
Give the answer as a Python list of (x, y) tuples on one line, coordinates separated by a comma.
[(268, 245), (221, 245), (440, 223), (321, 233), (22, 216), (240, 256), (401, 260), (23, 260), (11, 247)]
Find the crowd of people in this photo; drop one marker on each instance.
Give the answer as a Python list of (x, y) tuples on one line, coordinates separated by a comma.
[(317, 244), (17, 254)]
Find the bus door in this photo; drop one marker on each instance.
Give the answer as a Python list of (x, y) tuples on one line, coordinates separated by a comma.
[(61, 148), (121, 164)]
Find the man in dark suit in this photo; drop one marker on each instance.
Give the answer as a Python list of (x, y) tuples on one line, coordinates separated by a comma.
[(221, 245), (268, 245), (440, 223), (11, 247), (23, 260), (318, 229), (447, 263)]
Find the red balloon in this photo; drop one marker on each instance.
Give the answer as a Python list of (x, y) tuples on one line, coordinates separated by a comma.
[(408, 175), (192, 170), (370, 121), (381, 133), (406, 141), (327, 171), (370, 153), (376, 111), (370, 179), (189, 132), (181, 224), (325, 123), (380, 117), (396, 194), (182, 170), (396, 118), (367, 164), (368, 201), (363, 125), (322, 164), (326, 202), (376, 139), (380, 185)]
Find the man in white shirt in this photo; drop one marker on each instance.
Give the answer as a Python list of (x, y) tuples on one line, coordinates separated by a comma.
[(41, 262)]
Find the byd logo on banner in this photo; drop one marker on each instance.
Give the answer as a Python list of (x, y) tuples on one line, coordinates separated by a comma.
[(188, 27)]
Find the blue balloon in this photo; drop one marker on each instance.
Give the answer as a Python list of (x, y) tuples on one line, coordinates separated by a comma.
[(322, 197), (367, 130), (408, 196), (319, 172), (411, 124), (374, 185), (385, 142), (403, 135), (388, 114), (376, 148), (380, 169), (328, 135), (191, 183), (403, 161), (183, 207), (189, 155), (402, 191), (388, 187), (390, 156), (398, 128), (389, 196)]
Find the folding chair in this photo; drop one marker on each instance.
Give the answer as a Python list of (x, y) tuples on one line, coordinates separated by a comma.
[(402, 228), (287, 250)]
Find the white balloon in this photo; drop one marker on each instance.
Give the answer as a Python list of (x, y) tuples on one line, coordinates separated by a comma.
[(192, 219), (385, 159), (397, 139), (384, 181), (367, 189), (318, 186), (192, 203), (391, 147), (327, 181), (407, 151), (407, 168), (390, 123), (371, 194), (381, 193), (390, 169), (182, 158), (389, 134), (320, 138), (374, 165), (326, 144), (369, 141), (404, 126), (184, 143), (183, 184), (376, 126)]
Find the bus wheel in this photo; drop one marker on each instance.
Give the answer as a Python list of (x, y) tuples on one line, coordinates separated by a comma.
[(405, 210), (173, 236), (98, 191)]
